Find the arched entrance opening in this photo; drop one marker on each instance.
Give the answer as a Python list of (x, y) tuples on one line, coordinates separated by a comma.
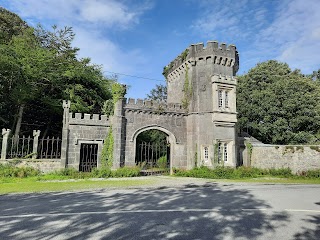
[(152, 151)]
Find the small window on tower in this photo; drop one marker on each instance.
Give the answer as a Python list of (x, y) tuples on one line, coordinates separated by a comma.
[(226, 99), (220, 100), (225, 149), (220, 149), (206, 154)]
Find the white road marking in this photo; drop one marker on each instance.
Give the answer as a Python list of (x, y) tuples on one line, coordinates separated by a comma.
[(53, 214)]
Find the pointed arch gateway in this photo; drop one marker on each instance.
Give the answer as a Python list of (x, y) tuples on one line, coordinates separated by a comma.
[(155, 158)]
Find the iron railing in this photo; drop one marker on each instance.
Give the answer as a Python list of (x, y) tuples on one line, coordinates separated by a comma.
[(19, 147), (49, 148), (26, 147), (153, 158)]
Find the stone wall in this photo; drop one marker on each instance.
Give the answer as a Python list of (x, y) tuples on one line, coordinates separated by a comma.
[(85, 128), (44, 165), (298, 158), (141, 115)]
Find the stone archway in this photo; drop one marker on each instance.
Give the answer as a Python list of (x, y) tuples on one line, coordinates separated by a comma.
[(170, 137)]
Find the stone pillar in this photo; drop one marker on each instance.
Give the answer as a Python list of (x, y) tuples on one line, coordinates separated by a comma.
[(5, 136), (36, 134), (118, 129), (65, 134)]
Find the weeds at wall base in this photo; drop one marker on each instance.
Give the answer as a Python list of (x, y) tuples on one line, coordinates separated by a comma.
[(245, 172)]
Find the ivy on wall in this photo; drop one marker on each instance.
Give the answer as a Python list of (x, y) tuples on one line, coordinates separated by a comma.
[(167, 69), (107, 151), (196, 157), (187, 90), (249, 149), (118, 91), (215, 152)]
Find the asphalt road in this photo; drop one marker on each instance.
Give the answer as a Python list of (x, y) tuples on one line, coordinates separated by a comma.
[(201, 210)]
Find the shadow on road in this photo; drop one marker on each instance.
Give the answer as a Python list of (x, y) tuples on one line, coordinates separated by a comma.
[(188, 212), (310, 233)]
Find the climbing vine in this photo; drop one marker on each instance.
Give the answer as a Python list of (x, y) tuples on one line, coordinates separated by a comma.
[(118, 91), (249, 149), (196, 157), (216, 157), (187, 90), (107, 151), (167, 69)]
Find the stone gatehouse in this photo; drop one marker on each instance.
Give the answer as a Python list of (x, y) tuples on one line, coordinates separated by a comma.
[(199, 117)]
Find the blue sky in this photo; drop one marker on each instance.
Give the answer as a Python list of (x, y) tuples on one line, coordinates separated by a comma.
[(140, 37)]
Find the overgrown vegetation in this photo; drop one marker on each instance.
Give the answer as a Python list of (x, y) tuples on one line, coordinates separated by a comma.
[(187, 90), (10, 171), (244, 172), (167, 69), (118, 91), (107, 151)]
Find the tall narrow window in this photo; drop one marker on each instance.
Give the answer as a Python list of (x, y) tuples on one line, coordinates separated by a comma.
[(225, 152), (226, 99), (206, 154), (220, 100), (220, 146)]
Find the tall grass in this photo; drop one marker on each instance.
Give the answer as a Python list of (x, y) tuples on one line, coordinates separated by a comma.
[(244, 172)]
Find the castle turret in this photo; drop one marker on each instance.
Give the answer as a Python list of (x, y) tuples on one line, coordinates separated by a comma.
[(203, 80)]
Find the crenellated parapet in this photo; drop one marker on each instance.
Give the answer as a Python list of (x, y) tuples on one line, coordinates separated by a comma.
[(89, 119), (213, 53), (218, 78), (153, 106)]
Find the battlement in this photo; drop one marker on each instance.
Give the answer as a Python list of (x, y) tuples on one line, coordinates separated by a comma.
[(89, 119), (153, 106), (218, 78), (213, 53)]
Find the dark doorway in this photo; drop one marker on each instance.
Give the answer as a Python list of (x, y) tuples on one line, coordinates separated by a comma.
[(88, 157), (153, 152)]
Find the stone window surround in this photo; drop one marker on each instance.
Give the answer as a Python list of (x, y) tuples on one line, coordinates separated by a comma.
[(223, 98), (223, 151)]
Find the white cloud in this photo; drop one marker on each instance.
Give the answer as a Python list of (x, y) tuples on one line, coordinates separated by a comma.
[(285, 30), (105, 52), (109, 13), (92, 21)]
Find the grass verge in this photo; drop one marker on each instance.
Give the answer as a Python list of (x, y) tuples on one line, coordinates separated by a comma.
[(32, 184)]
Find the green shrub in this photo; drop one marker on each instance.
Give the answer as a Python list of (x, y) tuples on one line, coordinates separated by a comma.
[(7, 170), (126, 172), (162, 162), (223, 172), (248, 172), (101, 173), (312, 174), (282, 172)]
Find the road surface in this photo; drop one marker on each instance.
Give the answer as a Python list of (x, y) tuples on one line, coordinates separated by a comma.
[(183, 210)]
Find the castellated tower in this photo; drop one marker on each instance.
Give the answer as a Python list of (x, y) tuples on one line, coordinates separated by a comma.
[(203, 80)]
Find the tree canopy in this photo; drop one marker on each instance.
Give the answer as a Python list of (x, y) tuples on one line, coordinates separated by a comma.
[(159, 93), (38, 69), (277, 105)]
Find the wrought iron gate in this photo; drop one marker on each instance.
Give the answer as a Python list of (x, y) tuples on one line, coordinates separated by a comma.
[(88, 157), (154, 158)]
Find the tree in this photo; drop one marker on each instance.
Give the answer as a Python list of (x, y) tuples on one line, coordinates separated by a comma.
[(277, 105), (10, 25), (39, 69), (159, 93)]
